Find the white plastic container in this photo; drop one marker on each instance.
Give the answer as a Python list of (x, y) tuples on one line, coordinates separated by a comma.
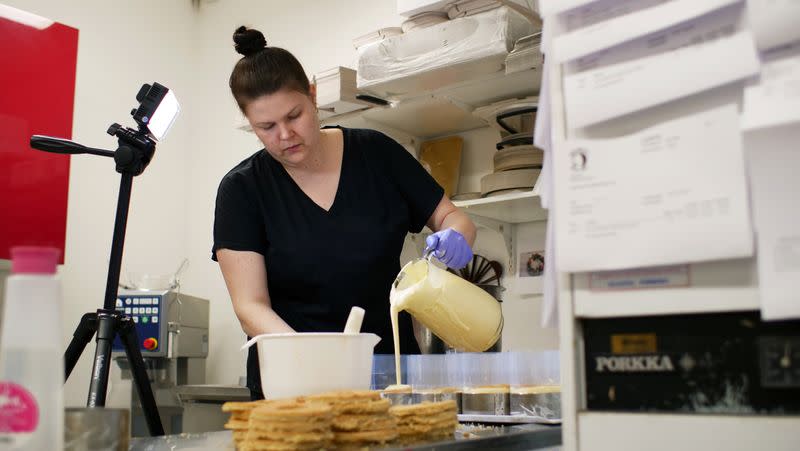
[(308, 363), (336, 92), (31, 356)]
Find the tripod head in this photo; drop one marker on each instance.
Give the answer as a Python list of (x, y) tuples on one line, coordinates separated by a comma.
[(135, 149), (155, 115)]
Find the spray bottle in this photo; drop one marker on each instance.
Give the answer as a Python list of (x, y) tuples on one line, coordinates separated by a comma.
[(31, 358)]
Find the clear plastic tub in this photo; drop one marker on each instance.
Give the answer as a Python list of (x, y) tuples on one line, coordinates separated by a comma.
[(383, 370), (428, 377), (384, 375), (535, 385), (453, 362), (486, 387)]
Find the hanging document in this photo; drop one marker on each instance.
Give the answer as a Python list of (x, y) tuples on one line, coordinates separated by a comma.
[(673, 193), (774, 22), (618, 30), (612, 91), (771, 124), (774, 97)]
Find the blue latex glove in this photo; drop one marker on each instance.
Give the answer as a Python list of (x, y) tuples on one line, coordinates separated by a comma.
[(449, 247)]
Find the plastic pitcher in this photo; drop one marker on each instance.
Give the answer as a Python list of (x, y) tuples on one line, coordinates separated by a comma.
[(463, 315)]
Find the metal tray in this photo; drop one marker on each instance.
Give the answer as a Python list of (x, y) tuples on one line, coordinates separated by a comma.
[(505, 419)]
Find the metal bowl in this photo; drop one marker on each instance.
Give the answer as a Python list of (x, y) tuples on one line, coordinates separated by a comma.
[(96, 428), (485, 403)]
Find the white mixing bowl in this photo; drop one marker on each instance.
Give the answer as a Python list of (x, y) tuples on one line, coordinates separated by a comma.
[(307, 363)]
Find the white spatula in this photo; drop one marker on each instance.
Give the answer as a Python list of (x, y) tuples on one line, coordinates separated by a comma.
[(354, 320)]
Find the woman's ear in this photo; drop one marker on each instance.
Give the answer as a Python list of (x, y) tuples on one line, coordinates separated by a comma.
[(312, 93)]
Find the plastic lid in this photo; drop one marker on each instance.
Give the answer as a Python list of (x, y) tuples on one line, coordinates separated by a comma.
[(34, 260)]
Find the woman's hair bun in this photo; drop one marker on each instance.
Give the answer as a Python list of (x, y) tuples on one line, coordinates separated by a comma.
[(248, 41)]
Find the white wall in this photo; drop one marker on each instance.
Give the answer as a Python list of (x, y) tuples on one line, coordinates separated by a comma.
[(122, 45), (125, 44)]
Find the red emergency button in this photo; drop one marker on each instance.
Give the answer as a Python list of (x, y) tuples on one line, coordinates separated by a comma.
[(150, 343)]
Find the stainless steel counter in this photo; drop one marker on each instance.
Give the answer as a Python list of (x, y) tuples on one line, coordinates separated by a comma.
[(202, 405), (212, 393), (517, 437)]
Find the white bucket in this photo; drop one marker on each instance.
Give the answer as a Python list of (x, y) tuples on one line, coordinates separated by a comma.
[(307, 363)]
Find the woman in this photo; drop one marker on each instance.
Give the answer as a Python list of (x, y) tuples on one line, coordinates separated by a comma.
[(314, 223)]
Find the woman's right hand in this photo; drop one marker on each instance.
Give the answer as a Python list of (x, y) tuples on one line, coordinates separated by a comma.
[(449, 247)]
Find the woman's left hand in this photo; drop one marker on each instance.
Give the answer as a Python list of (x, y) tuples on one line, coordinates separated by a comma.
[(449, 247)]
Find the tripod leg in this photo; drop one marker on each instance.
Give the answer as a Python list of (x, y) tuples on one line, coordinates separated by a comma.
[(127, 333), (82, 336), (107, 325)]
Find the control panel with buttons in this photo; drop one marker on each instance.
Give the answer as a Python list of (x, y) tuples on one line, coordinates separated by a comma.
[(168, 324), (146, 311)]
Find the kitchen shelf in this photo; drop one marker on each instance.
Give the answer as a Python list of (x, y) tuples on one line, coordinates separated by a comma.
[(426, 117), (443, 111), (479, 90), (429, 114), (360, 119), (500, 213), (511, 208)]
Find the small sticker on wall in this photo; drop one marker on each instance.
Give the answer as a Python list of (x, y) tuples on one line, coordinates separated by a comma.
[(531, 264), (531, 270), (641, 278)]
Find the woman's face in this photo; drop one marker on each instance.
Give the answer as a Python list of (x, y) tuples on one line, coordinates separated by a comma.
[(286, 122)]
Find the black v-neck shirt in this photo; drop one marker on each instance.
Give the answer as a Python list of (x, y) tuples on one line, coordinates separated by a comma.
[(321, 263)]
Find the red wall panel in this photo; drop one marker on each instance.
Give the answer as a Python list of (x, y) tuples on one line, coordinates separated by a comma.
[(37, 89)]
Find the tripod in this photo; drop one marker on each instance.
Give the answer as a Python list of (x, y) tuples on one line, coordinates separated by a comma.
[(132, 156)]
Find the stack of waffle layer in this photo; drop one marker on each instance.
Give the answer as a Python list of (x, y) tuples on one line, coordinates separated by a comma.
[(292, 424), (360, 418), (425, 422), (240, 418)]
